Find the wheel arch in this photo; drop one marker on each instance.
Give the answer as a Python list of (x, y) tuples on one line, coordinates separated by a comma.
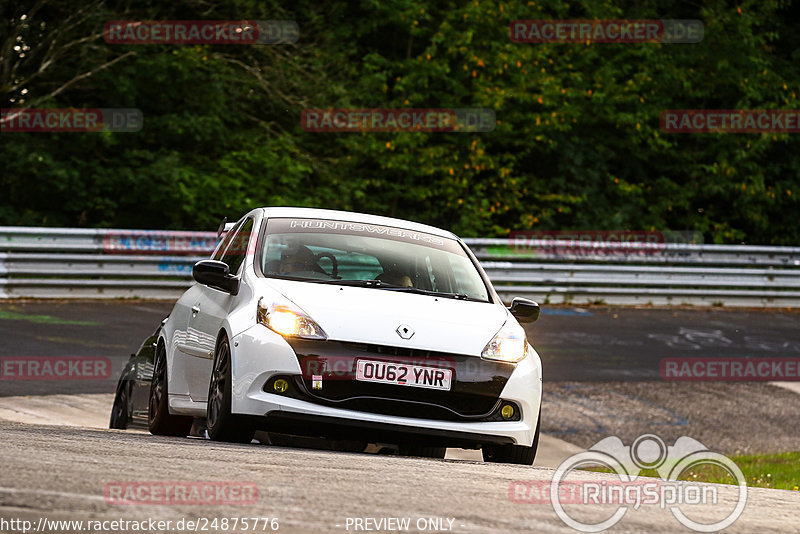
[(222, 334)]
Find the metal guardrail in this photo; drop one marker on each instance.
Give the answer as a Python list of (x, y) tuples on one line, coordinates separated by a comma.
[(80, 263), (87, 263)]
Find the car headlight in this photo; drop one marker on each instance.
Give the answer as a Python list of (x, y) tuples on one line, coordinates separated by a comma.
[(288, 320), (508, 345)]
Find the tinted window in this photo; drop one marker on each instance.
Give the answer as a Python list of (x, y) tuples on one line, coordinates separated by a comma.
[(341, 252), (237, 248), (224, 242)]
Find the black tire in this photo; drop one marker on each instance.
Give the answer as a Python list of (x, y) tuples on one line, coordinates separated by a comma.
[(220, 423), (422, 452), (120, 411), (513, 454), (159, 420)]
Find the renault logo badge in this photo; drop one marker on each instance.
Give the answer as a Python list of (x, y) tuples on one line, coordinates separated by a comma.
[(405, 331)]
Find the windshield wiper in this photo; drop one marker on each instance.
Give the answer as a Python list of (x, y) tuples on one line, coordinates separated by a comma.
[(358, 283), (458, 296), (377, 284), (381, 285)]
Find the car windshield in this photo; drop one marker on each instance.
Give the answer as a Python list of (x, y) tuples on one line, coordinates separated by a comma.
[(381, 257)]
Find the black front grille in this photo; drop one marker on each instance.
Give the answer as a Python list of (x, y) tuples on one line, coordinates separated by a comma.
[(475, 387)]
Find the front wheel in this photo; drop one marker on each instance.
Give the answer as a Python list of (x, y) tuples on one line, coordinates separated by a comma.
[(220, 423), (513, 454), (159, 420)]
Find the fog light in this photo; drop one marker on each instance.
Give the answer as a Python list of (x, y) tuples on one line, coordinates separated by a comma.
[(282, 385), (507, 411)]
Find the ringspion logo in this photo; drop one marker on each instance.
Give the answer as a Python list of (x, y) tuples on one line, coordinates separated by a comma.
[(627, 490)]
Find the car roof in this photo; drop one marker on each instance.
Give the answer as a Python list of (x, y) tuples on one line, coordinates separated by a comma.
[(350, 216)]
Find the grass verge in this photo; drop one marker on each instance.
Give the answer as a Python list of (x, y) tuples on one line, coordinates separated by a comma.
[(775, 471)]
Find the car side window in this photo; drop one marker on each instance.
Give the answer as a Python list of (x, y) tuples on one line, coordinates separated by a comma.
[(223, 244), (237, 249)]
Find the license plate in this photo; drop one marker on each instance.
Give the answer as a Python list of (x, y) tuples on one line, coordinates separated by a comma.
[(402, 374)]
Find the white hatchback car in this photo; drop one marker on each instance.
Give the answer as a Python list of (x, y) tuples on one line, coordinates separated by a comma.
[(321, 323)]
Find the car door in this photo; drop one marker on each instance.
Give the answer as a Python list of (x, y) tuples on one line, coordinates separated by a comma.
[(184, 347), (209, 312)]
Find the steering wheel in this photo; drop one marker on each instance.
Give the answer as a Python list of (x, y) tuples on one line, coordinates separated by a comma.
[(334, 262)]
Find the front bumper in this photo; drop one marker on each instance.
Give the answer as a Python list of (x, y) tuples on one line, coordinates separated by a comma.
[(351, 429), (259, 355), (474, 393)]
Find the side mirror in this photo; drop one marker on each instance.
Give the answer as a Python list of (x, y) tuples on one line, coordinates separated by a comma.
[(216, 274), (525, 310)]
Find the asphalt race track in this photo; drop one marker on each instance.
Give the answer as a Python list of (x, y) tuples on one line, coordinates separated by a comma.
[(601, 368), (60, 473)]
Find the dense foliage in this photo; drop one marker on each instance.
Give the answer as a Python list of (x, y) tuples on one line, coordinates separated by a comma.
[(577, 145)]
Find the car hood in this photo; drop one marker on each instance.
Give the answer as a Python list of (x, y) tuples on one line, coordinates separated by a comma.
[(370, 315)]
